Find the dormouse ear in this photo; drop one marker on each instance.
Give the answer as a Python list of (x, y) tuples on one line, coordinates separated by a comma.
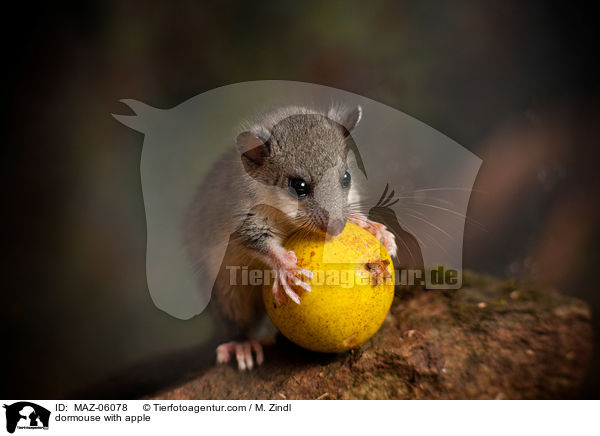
[(253, 149), (347, 118)]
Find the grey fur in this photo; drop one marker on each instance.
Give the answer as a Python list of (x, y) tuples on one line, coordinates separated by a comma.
[(247, 195)]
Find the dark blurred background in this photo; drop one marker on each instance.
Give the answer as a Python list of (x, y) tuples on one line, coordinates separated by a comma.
[(515, 82)]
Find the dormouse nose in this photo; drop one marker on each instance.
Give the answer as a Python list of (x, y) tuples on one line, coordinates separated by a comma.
[(335, 227)]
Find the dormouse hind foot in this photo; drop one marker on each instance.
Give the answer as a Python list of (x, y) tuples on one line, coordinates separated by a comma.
[(243, 352)]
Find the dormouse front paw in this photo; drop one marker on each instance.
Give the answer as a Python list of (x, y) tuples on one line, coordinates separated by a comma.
[(380, 231), (287, 274), (388, 240)]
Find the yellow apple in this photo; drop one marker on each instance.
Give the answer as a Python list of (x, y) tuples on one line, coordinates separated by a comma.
[(352, 291)]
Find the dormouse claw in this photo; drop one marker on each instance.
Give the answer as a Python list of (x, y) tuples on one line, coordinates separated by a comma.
[(287, 274)]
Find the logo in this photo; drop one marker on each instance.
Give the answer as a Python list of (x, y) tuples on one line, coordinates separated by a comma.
[(210, 179), (26, 415)]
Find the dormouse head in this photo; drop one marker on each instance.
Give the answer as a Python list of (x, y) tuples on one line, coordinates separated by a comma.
[(301, 162)]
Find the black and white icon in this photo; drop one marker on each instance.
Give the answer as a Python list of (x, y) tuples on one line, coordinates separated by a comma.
[(26, 415)]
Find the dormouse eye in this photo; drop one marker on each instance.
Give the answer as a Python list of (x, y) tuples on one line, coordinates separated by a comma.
[(346, 180), (299, 187)]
